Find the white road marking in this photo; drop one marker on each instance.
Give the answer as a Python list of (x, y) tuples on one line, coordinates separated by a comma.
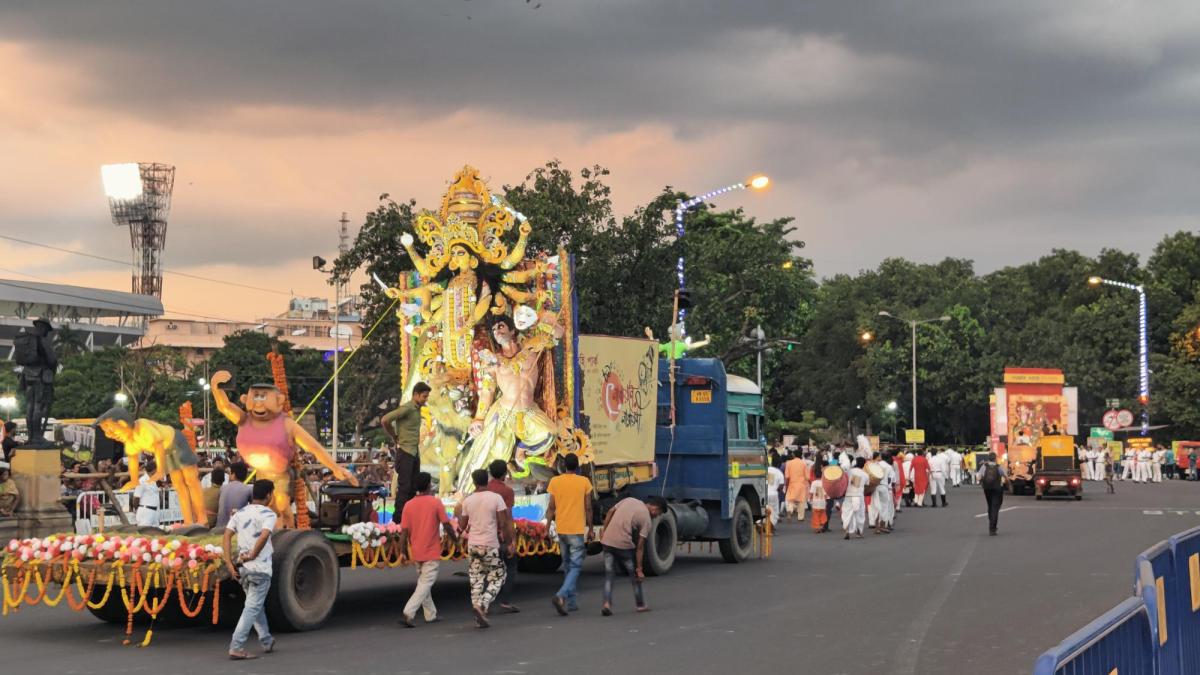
[(1007, 508), (907, 655)]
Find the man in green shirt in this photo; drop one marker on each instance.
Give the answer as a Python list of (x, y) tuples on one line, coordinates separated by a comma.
[(403, 427)]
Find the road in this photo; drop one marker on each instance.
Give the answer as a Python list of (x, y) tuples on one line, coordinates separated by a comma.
[(936, 597)]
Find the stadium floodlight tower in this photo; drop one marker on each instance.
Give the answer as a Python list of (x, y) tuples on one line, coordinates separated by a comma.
[(139, 196)]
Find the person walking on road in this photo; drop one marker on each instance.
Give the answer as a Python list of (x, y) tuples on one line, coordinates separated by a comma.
[(920, 478), (854, 511), (993, 478), (570, 509), (499, 470), (820, 518), (483, 519), (626, 528), (939, 468), (796, 471), (421, 526), (1107, 462), (253, 525)]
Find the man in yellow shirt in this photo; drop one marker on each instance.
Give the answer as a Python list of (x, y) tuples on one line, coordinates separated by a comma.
[(570, 509)]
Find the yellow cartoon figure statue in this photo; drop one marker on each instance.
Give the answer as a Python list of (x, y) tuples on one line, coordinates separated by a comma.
[(172, 456)]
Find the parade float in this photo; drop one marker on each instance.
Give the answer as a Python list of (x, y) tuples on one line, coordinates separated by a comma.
[(493, 331)]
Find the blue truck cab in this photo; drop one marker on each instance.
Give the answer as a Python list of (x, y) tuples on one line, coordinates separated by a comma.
[(711, 465)]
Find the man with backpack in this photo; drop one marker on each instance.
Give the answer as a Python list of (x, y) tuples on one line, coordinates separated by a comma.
[(993, 478)]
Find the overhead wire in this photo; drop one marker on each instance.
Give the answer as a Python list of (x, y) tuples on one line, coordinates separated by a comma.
[(125, 263)]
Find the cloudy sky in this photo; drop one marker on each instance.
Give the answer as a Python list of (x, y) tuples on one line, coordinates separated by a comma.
[(988, 130)]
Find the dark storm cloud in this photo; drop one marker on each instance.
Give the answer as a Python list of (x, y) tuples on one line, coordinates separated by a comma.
[(910, 93), (918, 71)]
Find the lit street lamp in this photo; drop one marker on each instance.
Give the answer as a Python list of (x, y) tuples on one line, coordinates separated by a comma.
[(892, 407), (1143, 350), (913, 323), (758, 182), (121, 397)]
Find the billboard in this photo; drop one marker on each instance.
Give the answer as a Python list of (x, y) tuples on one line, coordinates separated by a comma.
[(618, 386)]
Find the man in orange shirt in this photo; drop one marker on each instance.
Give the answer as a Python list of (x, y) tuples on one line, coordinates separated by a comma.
[(795, 470), (570, 509)]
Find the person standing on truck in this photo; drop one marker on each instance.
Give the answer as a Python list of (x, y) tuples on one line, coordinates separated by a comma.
[(483, 519), (251, 567), (421, 526), (570, 509), (498, 470), (854, 508), (993, 478), (403, 428), (146, 494), (626, 528)]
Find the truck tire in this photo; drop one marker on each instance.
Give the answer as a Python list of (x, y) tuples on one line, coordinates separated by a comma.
[(740, 544), (660, 545), (305, 582), (113, 610), (1078, 498), (546, 563)]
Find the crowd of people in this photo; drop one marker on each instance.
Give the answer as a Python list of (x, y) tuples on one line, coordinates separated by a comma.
[(879, 483)]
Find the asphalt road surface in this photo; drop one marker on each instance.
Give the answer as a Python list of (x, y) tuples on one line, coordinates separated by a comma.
[(937, 596)]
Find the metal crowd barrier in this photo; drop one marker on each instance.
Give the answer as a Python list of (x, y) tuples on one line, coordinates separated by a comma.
[(1154, 583), (1185, 549), (1156, 632), (1118, 642), (93, 506)]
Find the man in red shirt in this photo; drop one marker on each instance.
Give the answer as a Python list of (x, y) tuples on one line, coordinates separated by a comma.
[(499, 470), (419, 525)]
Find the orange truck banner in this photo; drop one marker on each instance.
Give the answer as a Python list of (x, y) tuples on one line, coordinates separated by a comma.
[(618, 397)]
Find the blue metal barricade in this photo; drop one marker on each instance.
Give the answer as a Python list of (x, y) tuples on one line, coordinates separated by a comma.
[(1185, 550), (1155, 583), (1120, 641)]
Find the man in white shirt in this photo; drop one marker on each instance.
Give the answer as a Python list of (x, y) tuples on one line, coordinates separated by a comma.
[(881, 511), (938, 468), (1156, 463), (253, 525), (1145, 456), (146, 494), (1098, 469), (1129, 465), (775, 482), (955, 460), (854, 512)]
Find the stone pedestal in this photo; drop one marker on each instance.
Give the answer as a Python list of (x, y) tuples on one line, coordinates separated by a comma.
[(37, 471)]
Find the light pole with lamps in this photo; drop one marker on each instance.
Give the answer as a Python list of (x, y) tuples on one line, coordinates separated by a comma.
[(1143, 347), (759, 182), (912, 324), (891, 407)]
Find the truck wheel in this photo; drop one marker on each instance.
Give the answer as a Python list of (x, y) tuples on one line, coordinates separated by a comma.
[(113, 610), (305, 582), (740, 543), (546, 563), (660, 545), (1078, 498)]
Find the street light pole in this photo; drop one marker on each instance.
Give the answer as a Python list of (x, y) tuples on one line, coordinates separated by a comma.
[(912, 324), (1143, 345), (682, 207)]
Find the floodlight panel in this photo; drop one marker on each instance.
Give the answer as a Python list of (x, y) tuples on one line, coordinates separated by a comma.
[(122, 181)]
